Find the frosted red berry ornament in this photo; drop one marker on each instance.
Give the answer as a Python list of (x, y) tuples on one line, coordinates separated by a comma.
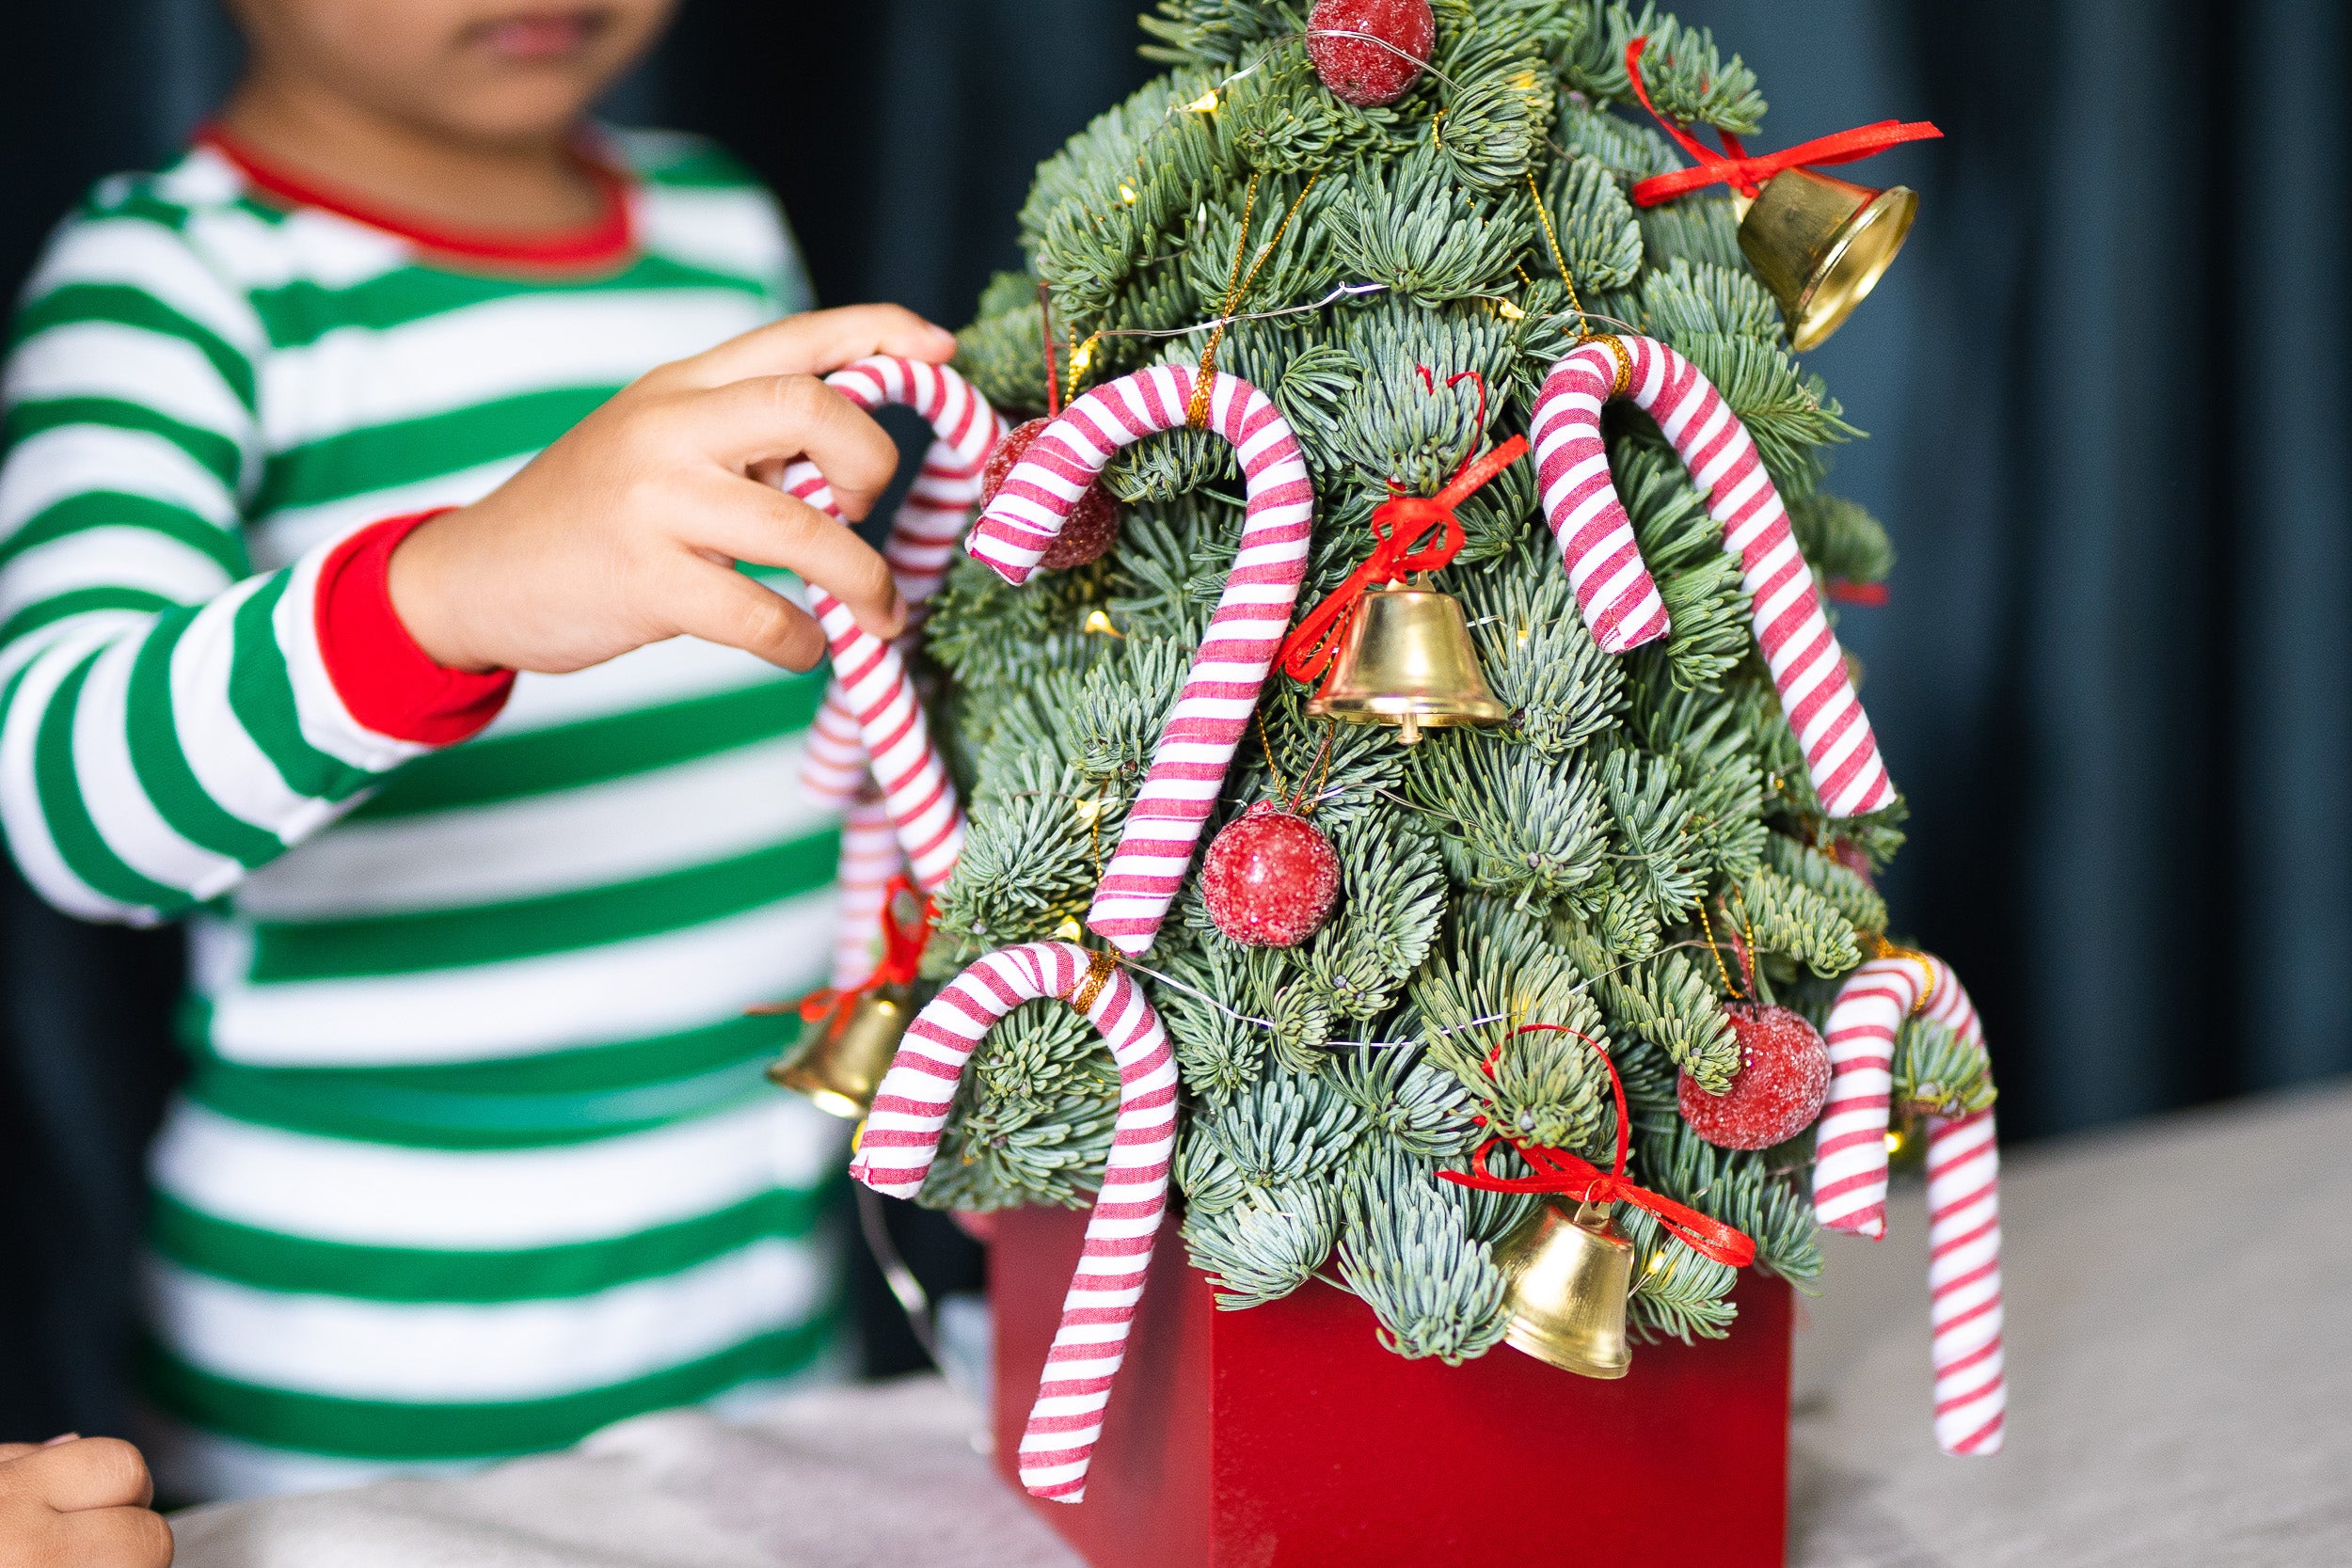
[(1369, 53), (1270, 877), (1093, 525), (1778, 1091)]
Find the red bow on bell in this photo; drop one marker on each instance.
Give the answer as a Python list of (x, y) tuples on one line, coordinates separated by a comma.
[(1559, 1170), (1746, 172)]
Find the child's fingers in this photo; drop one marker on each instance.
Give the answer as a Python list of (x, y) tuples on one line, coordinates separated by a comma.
[(719, 604), (817, 342), (89, 1472), (765, 526), (788, 416), (116, 1538)]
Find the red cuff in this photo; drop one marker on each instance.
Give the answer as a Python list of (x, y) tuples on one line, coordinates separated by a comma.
[(392, 685)]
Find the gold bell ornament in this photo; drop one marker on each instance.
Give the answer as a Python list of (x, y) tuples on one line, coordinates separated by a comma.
[(1570, 1278), (1407, 659), (1390, 652), (1820, 244), (1571, 1275), (841, 1066)]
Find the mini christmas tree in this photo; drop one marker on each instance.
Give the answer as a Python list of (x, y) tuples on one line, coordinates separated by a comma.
[(1636, 848)]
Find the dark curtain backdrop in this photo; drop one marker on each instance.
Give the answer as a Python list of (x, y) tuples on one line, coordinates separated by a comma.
[(2107, 391)]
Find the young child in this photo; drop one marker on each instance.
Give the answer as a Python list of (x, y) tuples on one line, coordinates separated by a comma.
[(79, 1503), (475, 1157)]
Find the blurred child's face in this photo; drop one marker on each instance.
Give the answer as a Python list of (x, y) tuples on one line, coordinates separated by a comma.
[(483, 70)]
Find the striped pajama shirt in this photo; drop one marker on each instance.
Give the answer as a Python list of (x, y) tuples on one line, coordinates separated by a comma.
[(475, 1156)]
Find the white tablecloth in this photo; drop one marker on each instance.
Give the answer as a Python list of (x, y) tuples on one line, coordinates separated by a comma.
[(2180, 1351)]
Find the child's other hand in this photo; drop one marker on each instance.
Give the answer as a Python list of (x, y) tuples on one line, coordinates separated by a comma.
[(79, 1503), (627, 529)]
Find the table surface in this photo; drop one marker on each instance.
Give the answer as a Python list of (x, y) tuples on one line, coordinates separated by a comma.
[(2180, 1394)]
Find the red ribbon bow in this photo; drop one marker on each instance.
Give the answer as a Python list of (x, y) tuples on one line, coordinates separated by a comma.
[(903, 955), (1559, 1170), (1399, 526), (1745, 172)]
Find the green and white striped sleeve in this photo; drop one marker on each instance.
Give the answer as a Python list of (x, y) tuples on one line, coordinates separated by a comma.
[(167, 722)]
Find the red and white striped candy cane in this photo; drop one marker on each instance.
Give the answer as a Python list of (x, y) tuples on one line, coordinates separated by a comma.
[(833, 760), (1614, 590), (902, 1139), (870, 686), (1964, 1182), (1221, 688), (870, 858)]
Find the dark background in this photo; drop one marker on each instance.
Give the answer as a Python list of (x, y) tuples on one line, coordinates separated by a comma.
[(2107, 388)]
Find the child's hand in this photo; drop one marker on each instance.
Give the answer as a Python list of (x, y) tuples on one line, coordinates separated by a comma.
[(627, 529), (79, 1503)]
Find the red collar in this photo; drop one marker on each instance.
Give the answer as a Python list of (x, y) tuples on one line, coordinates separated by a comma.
[(609, 238)]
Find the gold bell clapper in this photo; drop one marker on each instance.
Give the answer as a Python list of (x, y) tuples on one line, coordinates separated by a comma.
[(1407, 659), (1819, 243), (839, 1066), (839, 1070), (1571, 1278), (1381, 651)]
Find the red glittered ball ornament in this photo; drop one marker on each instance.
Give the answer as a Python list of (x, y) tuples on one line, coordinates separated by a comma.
[(1381, 62), (1093, 525), (1782, 1081), (1270, 878)]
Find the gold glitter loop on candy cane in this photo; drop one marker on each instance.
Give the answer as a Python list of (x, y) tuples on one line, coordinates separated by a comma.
[(1099, 962), (1197, 411), (1885, 949), (1575, 302)]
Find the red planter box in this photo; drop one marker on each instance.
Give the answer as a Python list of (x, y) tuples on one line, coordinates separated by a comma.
[(1285, 1437)]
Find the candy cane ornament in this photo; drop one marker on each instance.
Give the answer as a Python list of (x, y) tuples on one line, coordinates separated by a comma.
[(1613, 589), (869, 859), (870, 686), (1221, 688), (902, 1139), (1964, 1182)]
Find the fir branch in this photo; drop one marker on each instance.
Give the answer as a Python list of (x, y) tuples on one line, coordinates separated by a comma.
[(1790, 918), (1285, 1127), (1214, 32), (1519, 824), (1939, 1073), (1657, 856), (1702, 226), (1408, 1102), (1543, 1087), (1003, 351), (1407, 1251), (1265, 1246), (1631, 152), (1539, 656), (1398, 429), (1408, 225), (1687, 77), (1677, 1292), (1281, 119), (1598, 230), (1746, 1191), (1854, 899), (1840, 539), (1392, 898), (1687, 300), (1670, 1000), (1706, 605)]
